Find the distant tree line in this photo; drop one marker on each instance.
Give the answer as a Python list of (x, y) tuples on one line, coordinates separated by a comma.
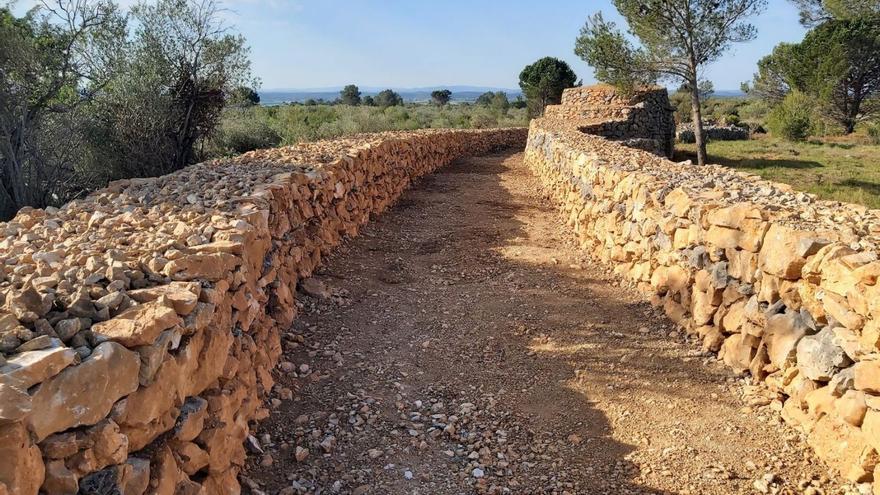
[(90, 94)]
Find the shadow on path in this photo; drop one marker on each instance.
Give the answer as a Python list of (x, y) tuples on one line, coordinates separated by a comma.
[(470, 292)]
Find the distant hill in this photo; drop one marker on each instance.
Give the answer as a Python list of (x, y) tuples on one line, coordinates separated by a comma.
[(459, 94), (468, 94), (728, 93)]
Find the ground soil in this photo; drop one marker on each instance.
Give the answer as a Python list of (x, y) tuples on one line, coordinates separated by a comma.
[(465, 345)]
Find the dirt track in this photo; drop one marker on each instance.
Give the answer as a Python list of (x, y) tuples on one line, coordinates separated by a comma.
[(467, 346)]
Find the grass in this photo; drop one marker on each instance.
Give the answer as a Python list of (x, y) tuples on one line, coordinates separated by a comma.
[(835, 169)]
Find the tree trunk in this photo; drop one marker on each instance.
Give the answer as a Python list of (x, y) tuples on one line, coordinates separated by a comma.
[(699, 134), (8, 208)]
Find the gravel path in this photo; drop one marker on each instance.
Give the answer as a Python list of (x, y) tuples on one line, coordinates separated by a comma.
[(463, 344)]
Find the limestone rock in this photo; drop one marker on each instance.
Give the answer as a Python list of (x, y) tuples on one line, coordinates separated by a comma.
[(315, 288), (785, 251), (819, 357), (851, 407), (867, 376), (152, 356), (134, 476), (22, 469), (59, 480), (140, 325), (84, 394), (191, 420), (737, 352), (213, 266), (782, 335), (33, 367), (182, 295), (15, 403), (845, 448)]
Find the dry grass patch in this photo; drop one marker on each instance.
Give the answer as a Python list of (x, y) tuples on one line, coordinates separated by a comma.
[(834, 169)]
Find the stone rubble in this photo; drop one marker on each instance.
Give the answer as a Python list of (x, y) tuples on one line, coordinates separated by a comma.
[(140, 326), (781, 285)]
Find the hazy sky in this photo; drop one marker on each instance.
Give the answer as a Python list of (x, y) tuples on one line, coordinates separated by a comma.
[(410, 43)]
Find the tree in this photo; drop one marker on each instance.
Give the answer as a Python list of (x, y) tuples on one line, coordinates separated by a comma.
[(53, 61), (678, 38), (500, 101), (179, 71), (704, 87), (816, 12), (776, 74), (441, 97), (543, 82), (837, 64), (388, 98), (368, 101), (519, 103), (485, 99), (350, 95), (244, 96)]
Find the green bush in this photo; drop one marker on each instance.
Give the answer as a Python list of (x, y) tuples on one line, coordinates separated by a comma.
[(793, 118), (874, 132), (244, 129), (754, 111), (241, 130)]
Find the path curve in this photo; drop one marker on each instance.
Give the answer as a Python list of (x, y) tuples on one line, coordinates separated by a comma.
[(465, 345)]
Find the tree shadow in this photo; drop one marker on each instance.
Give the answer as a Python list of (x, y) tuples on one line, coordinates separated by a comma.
[(451, 289), (464, 293), (867, 186), (749, 163)]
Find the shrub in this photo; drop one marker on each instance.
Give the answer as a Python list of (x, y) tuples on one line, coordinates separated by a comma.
[(242, 131), (874, 132), (792, 119), (754, 111)]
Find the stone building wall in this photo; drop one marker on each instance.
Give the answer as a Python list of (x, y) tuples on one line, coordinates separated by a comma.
[(140, 326), (782, 286), (642, 120)]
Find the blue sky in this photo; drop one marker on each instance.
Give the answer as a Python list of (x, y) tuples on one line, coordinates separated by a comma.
[(414, 43), (410, 43)]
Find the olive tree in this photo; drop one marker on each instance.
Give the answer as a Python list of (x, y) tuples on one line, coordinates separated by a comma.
[(182, 66), (677, 40), (53, 61)]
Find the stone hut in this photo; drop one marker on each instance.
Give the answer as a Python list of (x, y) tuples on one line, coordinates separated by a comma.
[(641, 120)]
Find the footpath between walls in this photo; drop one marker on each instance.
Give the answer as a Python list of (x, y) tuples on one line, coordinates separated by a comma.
[(140, 326), (781, 285)]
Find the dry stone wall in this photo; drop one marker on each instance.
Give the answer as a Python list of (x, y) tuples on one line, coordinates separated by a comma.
[(782, 286), (140, 326), (641, 120)]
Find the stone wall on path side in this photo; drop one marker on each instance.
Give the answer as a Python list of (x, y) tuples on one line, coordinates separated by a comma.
[(784, 287), (139, 327)]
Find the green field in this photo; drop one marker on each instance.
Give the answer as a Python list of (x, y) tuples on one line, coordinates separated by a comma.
[(840, 171)]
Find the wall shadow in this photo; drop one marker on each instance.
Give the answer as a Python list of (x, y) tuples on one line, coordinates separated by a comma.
[(441, 268), (748, 163)]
